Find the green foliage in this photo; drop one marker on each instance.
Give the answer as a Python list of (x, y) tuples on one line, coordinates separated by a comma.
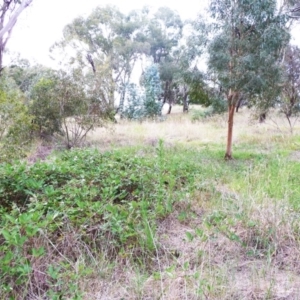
[(215, 106), (45, 107), (249, 39), (59, 218), (25, 75), (15, 125), (152, 86), (290, 96), (63, 103), (164, 30), (218, 105), (198, 91), (111, 200), (107, 44), (143, 104), (134, 109)]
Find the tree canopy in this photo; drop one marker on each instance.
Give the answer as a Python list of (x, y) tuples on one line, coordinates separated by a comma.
[(249, 40)]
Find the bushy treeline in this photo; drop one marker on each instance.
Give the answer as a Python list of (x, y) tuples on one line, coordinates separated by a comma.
[(250, 62)]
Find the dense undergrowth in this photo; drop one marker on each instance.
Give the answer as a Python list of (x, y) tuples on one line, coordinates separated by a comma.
[(61, 218)]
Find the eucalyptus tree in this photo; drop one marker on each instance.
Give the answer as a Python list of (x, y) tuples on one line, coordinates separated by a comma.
[(245, 51), (183, 81), (108, 42), (190, 79), (168, 70), (10, 10), (290, 97), (163, 33)]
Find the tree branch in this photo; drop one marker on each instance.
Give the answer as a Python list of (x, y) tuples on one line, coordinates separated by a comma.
[(13, 19)]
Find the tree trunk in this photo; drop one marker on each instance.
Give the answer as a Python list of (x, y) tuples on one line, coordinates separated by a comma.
[(185, 106), (262, 117), (231, 110), (239, 104), (1, 57), (185, 103), (170, 109), (120, 108), (13, 19)]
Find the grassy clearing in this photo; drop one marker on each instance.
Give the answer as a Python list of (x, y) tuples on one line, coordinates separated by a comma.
[(156, 214)]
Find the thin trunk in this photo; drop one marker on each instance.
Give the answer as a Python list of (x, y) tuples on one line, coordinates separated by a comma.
[(185, 103), (1, 57), (231, 110), (111, 100), (170, 109), (262, 117), (166, 92), (239, 104), (290, 123), (120, 109)]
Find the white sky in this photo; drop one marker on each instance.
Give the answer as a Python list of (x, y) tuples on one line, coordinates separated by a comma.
[(41, 24)]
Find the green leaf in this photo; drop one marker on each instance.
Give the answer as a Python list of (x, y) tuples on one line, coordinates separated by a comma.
[(7, 257), (189, 236), (37, 252)]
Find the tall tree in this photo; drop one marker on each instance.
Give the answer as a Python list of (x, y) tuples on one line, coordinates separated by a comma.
[(164, 30), (250, 36), (290, 98), (163, 33), (107, 42), (10, 10)]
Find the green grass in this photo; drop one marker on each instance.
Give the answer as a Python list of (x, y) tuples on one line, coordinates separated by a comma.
[(159, 222)]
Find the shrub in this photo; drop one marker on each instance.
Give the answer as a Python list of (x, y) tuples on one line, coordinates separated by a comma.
[(61, 105), (15, 126), (134, 109), (144, 103), (152, 86)]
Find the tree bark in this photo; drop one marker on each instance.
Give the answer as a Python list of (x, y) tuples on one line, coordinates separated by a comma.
[(5, 30), (231, 110), (185, 102), (262, 117), (13, 19), (185, 107), (239, 104)]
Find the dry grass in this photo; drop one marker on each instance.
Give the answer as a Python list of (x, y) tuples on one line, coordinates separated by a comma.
[(200, 269), (192, 266), (179, 128)]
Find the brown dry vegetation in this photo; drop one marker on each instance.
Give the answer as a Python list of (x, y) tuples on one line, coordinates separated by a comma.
[(180, 128), (188, 264)]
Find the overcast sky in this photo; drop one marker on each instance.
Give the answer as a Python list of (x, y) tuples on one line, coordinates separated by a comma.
[(41, 24)]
